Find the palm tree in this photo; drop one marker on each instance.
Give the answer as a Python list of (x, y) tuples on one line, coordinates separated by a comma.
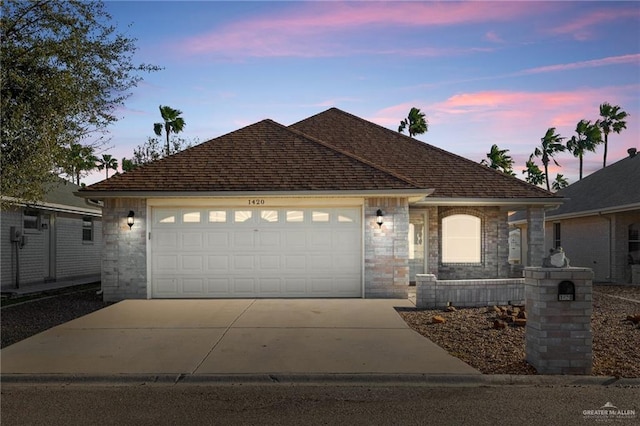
[(612, 120), (560, 182), (172, 123), (107, 162), (79, 159), (415, 122), (499, 160), (534, 175), (589, 137), (551, 145)]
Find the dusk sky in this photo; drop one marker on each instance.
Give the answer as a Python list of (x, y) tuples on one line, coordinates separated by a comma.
[(482, 72)]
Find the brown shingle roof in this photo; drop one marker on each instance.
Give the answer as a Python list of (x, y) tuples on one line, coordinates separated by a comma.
[(452, 176), (265, 156), (330, 151)]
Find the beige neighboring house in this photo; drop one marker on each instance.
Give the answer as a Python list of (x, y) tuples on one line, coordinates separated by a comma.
[(331, 206), (598, 226), (58, 239)]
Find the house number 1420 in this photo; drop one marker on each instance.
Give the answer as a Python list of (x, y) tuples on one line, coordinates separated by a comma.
[(256, 202)]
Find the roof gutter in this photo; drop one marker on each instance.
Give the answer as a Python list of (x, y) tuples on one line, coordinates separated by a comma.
[(516, 203), (412, 194), (58, 207), (596, 212)]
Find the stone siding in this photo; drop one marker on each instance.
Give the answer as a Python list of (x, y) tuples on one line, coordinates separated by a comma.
[(535, 236), (386, 248), (432, 293), (558, 334), (495, 245), (124, 262)]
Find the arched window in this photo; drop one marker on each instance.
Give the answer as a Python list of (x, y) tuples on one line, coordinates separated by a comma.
[(461, 239)]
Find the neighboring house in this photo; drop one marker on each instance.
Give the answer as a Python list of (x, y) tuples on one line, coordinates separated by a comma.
[(276, 211), (598, 226), (57, 239)]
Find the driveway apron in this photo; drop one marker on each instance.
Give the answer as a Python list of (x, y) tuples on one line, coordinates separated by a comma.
[(238, 336)]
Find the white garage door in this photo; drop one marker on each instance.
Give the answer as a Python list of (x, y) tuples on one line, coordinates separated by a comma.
[(257, 252)]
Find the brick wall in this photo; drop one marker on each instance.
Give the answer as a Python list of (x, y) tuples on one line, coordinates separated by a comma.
[(495, 244), (386, 248), (124, 261), (558, 336), (432, 293)]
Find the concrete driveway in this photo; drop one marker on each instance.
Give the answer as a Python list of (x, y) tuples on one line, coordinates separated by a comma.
[(228, 337)]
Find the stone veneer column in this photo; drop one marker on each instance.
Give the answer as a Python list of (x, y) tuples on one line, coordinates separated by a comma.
[(558, 333), (386, 248), (535, 236), (425, 291), (124, 255)]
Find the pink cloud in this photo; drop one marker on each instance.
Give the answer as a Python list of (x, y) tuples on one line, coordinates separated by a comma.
[(469, 123), (493, 37), (583, 26), (612, 60), (313, 29)]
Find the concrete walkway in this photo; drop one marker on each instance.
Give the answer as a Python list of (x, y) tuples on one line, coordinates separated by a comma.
[(228, 337)]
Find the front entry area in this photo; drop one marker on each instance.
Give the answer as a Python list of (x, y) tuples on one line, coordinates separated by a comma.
[(218, 252)]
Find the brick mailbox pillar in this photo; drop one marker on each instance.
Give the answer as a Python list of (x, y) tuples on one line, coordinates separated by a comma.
[(559, 306)]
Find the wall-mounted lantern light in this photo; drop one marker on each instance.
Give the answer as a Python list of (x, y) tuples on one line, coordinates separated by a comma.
[(379, 220), (130, 218)]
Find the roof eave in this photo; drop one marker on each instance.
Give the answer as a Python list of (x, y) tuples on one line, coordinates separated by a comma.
[(62, 208), (595, 212), (514, 203), (412, 194)]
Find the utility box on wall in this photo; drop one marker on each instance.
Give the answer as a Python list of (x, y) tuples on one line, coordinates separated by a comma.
[(559, 305)]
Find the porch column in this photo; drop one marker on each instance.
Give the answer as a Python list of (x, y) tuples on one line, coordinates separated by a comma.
[(535, 236)]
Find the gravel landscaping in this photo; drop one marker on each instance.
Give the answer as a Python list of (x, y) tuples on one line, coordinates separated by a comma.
[(27, 318), (468, 334)]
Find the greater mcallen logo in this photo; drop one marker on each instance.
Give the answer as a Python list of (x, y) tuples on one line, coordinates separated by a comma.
[(609, 412)]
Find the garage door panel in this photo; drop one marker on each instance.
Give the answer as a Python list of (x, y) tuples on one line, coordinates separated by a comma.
[(192, 263), (219, 287), (295, 285), (269, 239), (295, 262), (295, 240), (243, 263), (191, 241), (262, 252), (269, 263), (219, 263), (167, 240), (244, 286), (243, 240), (166, 285), (346, 241), (320, 240), (270, 286), (318, 263), (218, 240), (321, 286), (167, 262), (193, 286)]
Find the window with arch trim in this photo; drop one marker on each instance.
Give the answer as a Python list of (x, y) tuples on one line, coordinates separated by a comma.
[(461, 239)]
